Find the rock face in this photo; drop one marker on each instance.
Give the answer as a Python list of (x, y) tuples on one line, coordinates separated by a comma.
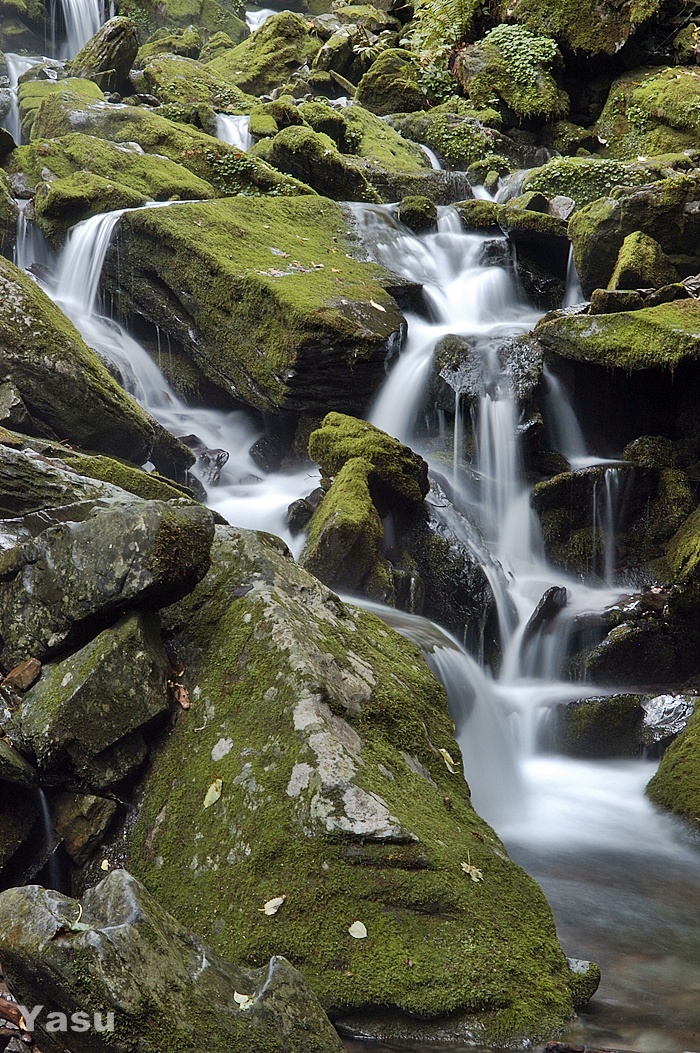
[(151, 982), (64, 386), (280, 320), (108, 56), (312, 750), (65, 577)]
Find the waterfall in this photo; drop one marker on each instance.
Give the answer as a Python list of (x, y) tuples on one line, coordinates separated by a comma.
[(234, 130), (50, 844), (432, 157), (16, 66), (80, 20), (255, 19), (574, 293)]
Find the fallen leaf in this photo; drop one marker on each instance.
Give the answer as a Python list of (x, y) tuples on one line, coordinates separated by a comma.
[(335, 270), (104, 865), (378, 306), (181, 695), (244, 1001), (474, 872), (449, 763), (272, 905), (213, 793), (358, 931)]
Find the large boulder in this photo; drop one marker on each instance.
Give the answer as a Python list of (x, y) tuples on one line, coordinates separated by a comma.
[(264, 297), (118, 957), (74, 94), (585, 179), (391, 85), (592, 27), (64, 387), (642, 263), (459, 134), (176, 79), (312, 766), (676, 784), (313, 158), (108, 56), (268, 58), (73, 577), (651, 111), (84, 716)]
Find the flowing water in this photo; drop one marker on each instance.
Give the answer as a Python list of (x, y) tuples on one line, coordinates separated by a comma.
[(622, 878), (73, 22), (234, 130), (16, 66), (256, 18)]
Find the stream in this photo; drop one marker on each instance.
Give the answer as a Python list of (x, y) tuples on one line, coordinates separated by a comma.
[(623, 879)]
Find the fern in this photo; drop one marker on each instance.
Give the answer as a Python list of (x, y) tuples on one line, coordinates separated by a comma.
[(436, 28)]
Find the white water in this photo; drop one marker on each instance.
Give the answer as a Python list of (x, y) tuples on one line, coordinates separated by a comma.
[(16, 66), (432, 157), (255, 19), (81, 20), (234, 130)]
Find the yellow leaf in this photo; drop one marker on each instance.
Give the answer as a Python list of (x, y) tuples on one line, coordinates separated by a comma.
[(272, 905), (378, 306), (104, 865), (244, 1001), (449, 763), (213, 793)]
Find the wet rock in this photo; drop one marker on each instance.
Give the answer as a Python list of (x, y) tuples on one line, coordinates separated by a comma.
[(108, 56), (641, 263), (418, 213), (132, 959), (676, 784), (391, 85), (14, 768), (80, 821), (665, 716), (84, 705), (609, 726), (592, 27), (585, 980), (553, 601), (457, 136), (76, 575), (19, 812), (303, 707), (312, 158), (23, 676), (64, 385)]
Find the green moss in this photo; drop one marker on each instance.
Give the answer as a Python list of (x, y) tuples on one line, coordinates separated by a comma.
[(149, 485), (373, 140), (460, 138), (603, 727), (73, 92), (211, 16), (331, 122), (642, 264), (485, 951), (676, 785), (591, 26), (418, 213), (63, 202), (177, 79), (683, 552), (263, 126), (651, 111), (391, 85), (479, 215), (267, 59), (313, 158), (584, 178), (654, 336), (215, 46), (513, 66), (186, 42)]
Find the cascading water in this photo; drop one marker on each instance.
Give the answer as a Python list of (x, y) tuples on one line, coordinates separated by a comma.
[(255, 19), (234, 130), (80, 20), (16, 66)]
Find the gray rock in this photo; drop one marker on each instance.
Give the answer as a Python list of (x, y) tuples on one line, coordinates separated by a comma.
[(108, 56), (166, 989), (74, 570), (80, 821), (14, 768), (665, 716)]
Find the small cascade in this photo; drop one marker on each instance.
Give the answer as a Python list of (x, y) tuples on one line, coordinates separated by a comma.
[(31, 251), (16, 66), (53, 869), (74, 22), (233, 129), (608, 510), (256, 18), (565, 430), (432, 157), (574, 293)]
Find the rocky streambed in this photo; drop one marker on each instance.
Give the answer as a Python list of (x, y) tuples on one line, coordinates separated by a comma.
[(422, 312)]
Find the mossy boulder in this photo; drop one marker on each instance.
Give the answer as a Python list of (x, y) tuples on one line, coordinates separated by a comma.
[(651, 111), (210, 16), (329, 121), (513, 67), (458, 134), (187, 43), (82, 707), (8, 213), (634, 652), (108, 56), (65, 388), (683, 552), (601, 727), (313, 159), (263, 297), (641, 264), (418, 213), (345, 766), (585, 179), (664, 210), (63, 202), (379, 146), (177, 79), (216, 45), (132, 963), (661, 336), (392, 85), (23, 26), (223, 166), (593, 27), (268, 58), (30, 482), (75, 94), (676, 784)]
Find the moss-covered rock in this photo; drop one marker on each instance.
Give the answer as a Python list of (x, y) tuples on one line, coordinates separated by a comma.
[(176, 79), (651, 111), (345, 766), (30, 482), (331, 122), (391, 85), (211, 16), (418, 213), (64, 386), (75, 94), (223, 166), (216, 45), (263, 298), (313, 159), (594, 26), (130, 963), (268, 58), (378, 146), (601, 727), (512, 66), (676, 784), (108, 56), (654, 336), (642, 263), (634, 652), (459, 134), (23, 26), (8, 213), (584, 179), (64, 202), (186, 43), (683, 551), (86, 704)]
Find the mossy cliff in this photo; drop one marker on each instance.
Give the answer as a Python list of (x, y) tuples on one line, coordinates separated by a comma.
[(264, 298), (309, 767)]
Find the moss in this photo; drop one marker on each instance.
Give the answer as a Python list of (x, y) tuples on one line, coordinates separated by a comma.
[(341, 438), (641, 264), (240, 272), (215, 46), (391, 85), (584, 178), (484, 951), (313, 158), (373, 140), (459, 138), (262, 126), (418, 213), (331, 122), (267, 59), (149, 485), (73, 92), (513, 66), (178, 79), (479, 215), (211, 16), (185, 42), (63, 202), (654, 336), (676, 785), (683, 552), (602, 727), (592, 26), (651, 111)]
